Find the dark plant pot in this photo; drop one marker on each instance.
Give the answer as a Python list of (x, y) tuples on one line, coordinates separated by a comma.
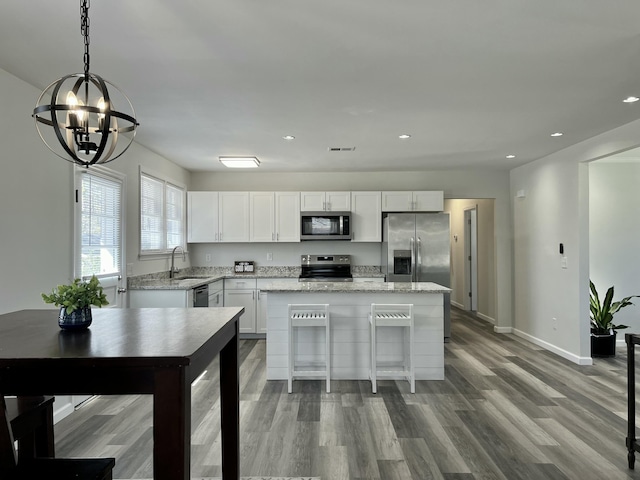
[(603, 345), (77, 320)]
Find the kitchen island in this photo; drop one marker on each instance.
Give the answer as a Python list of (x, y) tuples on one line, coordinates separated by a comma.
[(349, 306)]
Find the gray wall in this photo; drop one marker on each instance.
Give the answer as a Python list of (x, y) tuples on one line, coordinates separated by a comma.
[(614, 234), (555, 209)]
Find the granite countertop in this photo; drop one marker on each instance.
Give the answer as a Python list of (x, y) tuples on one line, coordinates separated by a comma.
[(193, 277), (348, 287)]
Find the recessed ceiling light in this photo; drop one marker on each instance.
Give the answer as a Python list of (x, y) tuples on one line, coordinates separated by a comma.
[(240, 162), (404, 136), (289, 137), (631, 99), (557, 134), (511, 156)]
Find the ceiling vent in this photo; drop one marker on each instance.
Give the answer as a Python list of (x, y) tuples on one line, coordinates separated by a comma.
[(342, 149)]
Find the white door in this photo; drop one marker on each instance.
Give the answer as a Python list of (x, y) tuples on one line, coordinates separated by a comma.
[(366, 217), (202, 217), (312, 201), (233, 218), (287, 217), (262, 217), (99, 234), (338, 201), (246, 299)]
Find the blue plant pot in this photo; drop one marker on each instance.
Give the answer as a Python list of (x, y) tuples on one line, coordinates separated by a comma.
[(77, 320)]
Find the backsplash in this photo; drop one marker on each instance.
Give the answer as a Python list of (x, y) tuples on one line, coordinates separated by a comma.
[(275, 272)]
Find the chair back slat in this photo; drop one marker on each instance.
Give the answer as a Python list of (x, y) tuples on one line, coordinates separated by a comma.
[(8, 457)]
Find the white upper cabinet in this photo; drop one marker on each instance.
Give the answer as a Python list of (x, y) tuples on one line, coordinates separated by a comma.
[(287, 216), (325, 201), (366, 216), (262, 217), (419, 201), (428, 201), (202, 221), (218, 217), (274, 216), (233, 216)]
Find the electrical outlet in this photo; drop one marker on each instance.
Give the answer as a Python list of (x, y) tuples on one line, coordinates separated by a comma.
[(564, 262), (270, 256), (554, 323), (207, 258)]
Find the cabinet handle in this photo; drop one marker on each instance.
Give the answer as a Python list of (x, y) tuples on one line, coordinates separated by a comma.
[(277, 237), (258, 294)]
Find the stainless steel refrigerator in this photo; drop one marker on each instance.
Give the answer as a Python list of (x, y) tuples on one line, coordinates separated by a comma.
[(416, 248)]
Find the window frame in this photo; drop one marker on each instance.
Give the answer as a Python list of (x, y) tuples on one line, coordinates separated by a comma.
[(109, 175), (166, 184)]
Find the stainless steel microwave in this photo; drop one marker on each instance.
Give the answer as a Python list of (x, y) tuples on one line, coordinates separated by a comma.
[(325, 226)]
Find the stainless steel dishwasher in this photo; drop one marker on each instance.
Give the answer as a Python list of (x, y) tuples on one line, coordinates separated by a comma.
[(201, 296)]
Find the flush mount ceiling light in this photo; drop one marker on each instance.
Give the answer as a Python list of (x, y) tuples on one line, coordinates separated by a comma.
[(404, 136), (289, 137), (557, 134), (240, 162), (631, 99), (81, 111), (510, 156)]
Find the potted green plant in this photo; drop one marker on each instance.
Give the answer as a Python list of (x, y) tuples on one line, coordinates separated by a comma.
[(603, 330), (75, 302)]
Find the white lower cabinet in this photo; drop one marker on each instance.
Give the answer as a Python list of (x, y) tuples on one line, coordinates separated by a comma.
[(216, 293), (242, 293), (160, 298), (261, 319)]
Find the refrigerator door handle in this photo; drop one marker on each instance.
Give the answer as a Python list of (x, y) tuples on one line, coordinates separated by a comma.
[(413, 259), (419, 258)]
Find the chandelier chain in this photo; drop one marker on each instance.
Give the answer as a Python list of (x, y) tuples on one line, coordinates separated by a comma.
[(84, 29)]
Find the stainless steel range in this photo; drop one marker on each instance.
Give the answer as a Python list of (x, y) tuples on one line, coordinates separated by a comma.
[(326, 268)]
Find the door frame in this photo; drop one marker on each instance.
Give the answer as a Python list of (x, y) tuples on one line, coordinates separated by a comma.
[(471, 258)]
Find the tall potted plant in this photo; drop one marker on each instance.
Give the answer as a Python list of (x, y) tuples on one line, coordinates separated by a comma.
[(603, 330)]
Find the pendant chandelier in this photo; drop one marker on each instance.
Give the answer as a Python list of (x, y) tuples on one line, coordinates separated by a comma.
[(80, 108)]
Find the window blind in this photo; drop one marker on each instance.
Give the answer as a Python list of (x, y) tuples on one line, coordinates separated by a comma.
[(161, 215), (101, 236)]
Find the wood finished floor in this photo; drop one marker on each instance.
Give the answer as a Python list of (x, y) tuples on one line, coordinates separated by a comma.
[(507, 410)]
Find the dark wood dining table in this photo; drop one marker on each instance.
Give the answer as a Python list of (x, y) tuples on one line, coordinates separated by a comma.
[(156, 351)]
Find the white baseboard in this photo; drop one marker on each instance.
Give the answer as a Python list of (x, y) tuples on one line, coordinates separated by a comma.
[(61, 410), (503, 329), (456, 304), (487, 318), (552, 348)]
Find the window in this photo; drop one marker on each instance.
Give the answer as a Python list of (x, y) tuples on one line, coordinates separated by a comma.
[(162, 206), (99, 227)]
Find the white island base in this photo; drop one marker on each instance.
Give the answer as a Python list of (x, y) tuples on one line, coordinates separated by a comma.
[(350, 337)]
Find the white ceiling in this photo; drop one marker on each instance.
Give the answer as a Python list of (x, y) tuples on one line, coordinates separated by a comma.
[(470, 80)]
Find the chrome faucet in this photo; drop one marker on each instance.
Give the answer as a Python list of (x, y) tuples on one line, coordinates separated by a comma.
[(174, 270)]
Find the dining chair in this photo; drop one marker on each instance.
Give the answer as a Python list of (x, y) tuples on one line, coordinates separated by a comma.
[(31, 419), (14, 468)]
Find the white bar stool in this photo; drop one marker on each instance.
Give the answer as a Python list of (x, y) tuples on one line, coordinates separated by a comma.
[(392, 315), (302, 316)]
